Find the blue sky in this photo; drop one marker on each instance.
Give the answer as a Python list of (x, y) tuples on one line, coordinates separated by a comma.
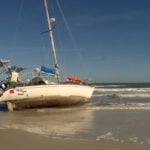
[(103, 40)]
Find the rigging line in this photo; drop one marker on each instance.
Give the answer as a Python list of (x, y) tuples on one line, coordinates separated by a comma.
[(66, 23), (18, 21), (46, 59), (70, 32)]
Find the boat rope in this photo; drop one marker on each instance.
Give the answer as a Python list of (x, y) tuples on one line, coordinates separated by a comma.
[(66, 24), (75, 45), (18, 21)]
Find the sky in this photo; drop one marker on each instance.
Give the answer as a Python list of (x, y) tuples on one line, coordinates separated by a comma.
[(99, 40)]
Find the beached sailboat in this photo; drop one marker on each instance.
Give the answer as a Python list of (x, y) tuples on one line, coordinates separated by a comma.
[(35, 96)]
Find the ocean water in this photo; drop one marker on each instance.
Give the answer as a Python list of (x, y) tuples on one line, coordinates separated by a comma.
[(116, 113)]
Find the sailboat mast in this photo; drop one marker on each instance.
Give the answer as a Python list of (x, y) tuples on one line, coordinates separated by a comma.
[(49, 21)]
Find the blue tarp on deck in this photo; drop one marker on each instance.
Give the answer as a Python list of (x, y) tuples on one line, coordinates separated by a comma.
[(47, 70)]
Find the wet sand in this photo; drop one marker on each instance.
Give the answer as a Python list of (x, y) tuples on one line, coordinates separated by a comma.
[(20, 140)]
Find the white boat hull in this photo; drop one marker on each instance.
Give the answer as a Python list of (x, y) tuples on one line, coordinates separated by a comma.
[(46, 95)]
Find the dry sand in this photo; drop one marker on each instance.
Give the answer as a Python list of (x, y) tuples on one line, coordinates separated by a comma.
[(19, 140)]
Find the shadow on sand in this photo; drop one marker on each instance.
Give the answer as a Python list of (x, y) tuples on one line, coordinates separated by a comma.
[(3, 106)]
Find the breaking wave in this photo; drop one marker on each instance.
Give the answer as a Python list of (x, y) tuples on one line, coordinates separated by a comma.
[(133, 139), (122, 92), (121, 97)]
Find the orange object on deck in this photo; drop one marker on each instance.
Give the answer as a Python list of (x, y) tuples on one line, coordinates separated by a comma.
[(74, 79)]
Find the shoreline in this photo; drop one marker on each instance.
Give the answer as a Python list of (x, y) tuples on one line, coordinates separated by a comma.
[(17, 139)]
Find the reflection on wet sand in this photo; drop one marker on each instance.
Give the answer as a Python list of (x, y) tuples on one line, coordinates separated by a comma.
[(55, 122)]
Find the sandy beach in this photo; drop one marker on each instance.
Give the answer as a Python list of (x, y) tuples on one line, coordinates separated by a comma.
[(19, 140), (104, 124)]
